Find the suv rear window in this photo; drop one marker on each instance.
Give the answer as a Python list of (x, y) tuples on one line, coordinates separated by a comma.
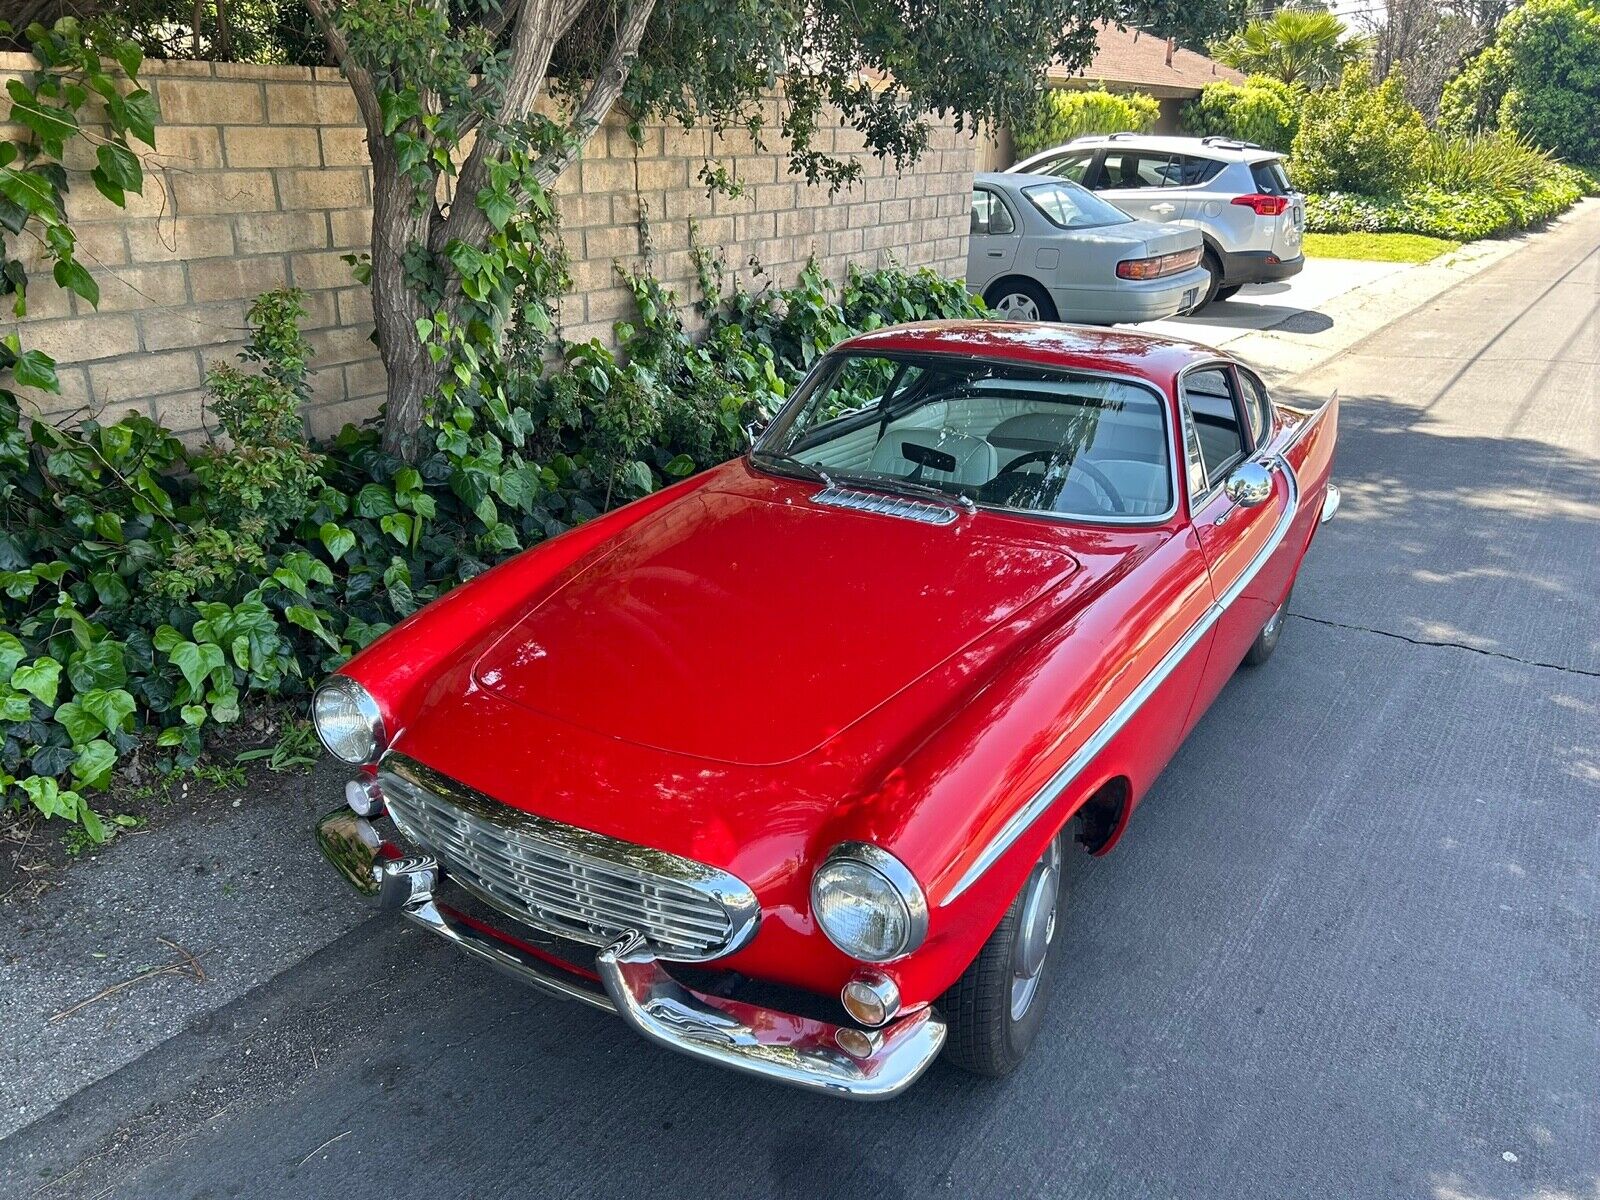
[(1270, 177), (1197, 171)]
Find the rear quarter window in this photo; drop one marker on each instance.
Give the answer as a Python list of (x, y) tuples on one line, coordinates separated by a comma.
[(1270, 177)]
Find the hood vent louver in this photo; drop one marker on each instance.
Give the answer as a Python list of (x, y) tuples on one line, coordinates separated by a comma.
[(885, 505)]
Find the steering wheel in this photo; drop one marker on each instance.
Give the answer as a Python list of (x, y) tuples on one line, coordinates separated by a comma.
[(1118, 504)]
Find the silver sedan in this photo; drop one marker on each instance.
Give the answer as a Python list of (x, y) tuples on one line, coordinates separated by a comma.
[(1044, 249)]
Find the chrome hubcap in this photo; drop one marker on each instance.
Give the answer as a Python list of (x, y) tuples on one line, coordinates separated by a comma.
[(1037, 931), (1276, 621), (1014, 306)]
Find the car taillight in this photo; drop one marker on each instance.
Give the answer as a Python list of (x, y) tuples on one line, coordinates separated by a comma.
[(1264, 205), (1160, 265)]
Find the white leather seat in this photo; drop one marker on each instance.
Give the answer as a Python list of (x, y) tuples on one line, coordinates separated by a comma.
[(1145, 488), (975, 458)]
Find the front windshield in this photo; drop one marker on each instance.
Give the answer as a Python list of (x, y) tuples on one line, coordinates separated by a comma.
[(997, 434), (1068, 206)]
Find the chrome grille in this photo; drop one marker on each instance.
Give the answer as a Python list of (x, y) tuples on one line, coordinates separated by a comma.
[(564, 880), (885, 505)]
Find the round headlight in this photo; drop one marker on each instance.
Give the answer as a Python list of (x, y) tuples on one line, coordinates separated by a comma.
[(868, 904), (348, 720)]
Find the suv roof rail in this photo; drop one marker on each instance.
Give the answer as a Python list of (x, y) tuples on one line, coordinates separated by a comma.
[(1228, 142)]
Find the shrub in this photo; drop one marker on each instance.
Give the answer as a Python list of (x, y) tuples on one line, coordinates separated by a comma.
[(1358, 137), (1552, 76), (149, 592), (1306, 46), (1262, 110), (1460, 216), (1496, 163), (1066, 113), (1470, 102)]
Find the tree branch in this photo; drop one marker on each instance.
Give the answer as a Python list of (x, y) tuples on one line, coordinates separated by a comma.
[(604, 91), (361, 82)]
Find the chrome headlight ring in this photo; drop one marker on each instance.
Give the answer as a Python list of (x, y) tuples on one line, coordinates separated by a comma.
[(868, 904), (348, 721)]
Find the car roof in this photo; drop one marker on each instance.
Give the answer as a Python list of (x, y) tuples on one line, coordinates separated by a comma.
[(1043, 344), (1220, 148), (1015, 178)]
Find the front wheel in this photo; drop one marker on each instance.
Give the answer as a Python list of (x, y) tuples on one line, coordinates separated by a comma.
[(1021, 300), (994, 1010), (1267, 640)]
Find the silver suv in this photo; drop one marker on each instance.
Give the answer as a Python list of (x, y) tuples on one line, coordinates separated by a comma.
[(1235, 193)]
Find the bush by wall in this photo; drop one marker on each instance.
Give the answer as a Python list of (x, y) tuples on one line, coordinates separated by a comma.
[(1459, 215), (149, 592), (1066, 113), (1359, 136), (1262, 110)]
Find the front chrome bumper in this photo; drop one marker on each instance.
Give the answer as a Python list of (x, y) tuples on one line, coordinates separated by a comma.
[(858, 1064)]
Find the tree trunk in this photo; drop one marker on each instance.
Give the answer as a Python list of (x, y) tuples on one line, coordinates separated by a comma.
[(396, 306)]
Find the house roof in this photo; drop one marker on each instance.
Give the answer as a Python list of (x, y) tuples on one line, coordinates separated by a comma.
[(1129, 58)]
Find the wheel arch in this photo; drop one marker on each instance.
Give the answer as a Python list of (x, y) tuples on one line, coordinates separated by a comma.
[(1011, 278), (1103, 815)]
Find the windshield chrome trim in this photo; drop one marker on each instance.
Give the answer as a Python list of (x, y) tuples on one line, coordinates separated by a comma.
[(1045, 797), (1168, 405)]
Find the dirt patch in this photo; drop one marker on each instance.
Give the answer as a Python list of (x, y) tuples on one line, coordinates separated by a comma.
[(275, 742)]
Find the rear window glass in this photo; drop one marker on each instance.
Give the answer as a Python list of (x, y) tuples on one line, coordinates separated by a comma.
[(1068, 206), (1270, 177), (1199, 170)]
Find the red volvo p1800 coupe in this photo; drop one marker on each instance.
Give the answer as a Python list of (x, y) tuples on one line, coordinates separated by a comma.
[(784, 764)]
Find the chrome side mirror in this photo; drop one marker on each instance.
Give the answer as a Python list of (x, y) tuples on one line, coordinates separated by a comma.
[(1249, 486)]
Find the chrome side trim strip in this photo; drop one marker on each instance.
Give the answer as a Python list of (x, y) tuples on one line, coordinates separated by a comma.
[(1023, 820)]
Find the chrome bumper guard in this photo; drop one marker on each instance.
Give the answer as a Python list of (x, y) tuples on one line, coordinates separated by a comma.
[(859, 1064)]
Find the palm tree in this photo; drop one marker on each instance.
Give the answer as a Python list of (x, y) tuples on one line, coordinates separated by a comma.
[(1295, 45)]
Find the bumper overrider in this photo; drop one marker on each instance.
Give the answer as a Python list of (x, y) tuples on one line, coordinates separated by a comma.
[(629, 980)]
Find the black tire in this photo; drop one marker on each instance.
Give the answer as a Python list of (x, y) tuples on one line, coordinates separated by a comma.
[(996, 296), (987, 1037), (1227, 293), (1213, 267), (1267, 640)]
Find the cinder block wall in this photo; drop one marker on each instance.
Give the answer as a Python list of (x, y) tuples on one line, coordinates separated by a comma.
[(260, 180)]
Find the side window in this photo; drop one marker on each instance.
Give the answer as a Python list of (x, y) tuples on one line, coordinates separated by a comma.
[(1196, 171), (1136, 169), (1212, 406), (1072, 166), (1257, 408), (989, 214)]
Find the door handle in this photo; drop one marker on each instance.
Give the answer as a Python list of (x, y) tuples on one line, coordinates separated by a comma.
[(995, 253), (1164, 208)]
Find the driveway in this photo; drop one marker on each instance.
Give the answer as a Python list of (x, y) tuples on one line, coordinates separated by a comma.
[(1347, 949)]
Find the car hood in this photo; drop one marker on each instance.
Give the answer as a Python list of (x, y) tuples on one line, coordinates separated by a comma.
[(750, 626)]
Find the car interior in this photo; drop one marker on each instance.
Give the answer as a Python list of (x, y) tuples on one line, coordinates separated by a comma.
[(1028, 440)]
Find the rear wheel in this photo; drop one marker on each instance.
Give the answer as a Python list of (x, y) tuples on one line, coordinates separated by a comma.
[(1021, 300), (1229, 292), (994, 1010), (1213, 267)]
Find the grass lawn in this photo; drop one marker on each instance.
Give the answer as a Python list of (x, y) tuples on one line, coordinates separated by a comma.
[(1377, 247)]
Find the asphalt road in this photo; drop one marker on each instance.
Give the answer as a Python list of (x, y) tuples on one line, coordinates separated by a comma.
[(1349, 948)]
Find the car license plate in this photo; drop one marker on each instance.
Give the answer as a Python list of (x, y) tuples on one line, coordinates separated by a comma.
[(1189, 299)]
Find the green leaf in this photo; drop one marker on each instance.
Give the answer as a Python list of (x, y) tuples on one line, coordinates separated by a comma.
[(100, 666), (11, 653), (129, 56), (337, 540), (48, 798), (94, 764), (167, 639), (40, 679), (680, 466), (139, 114), (82, 726), (112, 707), (88, 818), (36, 369), (193, 714), (120, 166), (73, 276), (308, 620), (15, 707), (52, 126), (197, 662), (374, 500), (398, 526)]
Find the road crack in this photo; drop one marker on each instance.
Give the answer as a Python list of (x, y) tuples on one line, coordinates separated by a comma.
[(1449, 645)]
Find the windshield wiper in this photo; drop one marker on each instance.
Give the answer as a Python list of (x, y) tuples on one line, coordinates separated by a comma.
[(809, 470), (908, 487)]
